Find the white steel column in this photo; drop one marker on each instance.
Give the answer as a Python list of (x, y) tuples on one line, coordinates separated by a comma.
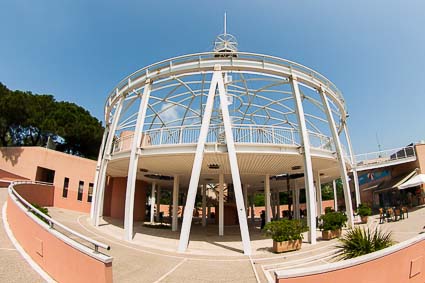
[(308, 167), (278, 204), (100, 190), (204, 205), (153, 203), (158, 202), (133, 164), (335, 196), (353, 166), (319, 194), (174, 224), (197, 163), (217, 81), (245, 194), (96, 176), (297, 202), (221, 205), (252, 207), (267, 197), (234, 168), (340, 156)]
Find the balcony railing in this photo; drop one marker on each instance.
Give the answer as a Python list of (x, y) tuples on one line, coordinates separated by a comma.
[(242, 134), (385, 156)]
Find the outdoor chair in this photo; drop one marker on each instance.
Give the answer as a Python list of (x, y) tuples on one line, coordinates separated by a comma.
[(381, 216), (397, 214), (404, 210), (390, 213)]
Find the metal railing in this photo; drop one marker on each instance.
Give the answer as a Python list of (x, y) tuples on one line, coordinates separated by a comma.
[(385, 156), (242, 134), (201, 58), (53, 224)]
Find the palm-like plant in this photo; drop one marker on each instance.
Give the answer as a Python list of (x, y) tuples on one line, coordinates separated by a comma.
[(359, 241)]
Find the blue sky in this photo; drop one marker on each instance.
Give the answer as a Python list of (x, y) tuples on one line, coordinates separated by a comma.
[(374, 51)]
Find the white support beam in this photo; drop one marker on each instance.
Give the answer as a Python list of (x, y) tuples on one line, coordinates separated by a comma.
[(297, 203), (277, 198), (175, 215), (100, 186), (197, 163), (335, 196), (234, 167), (204, 205), (319, 194), (252, 208), (308, 167), (245, 195), (153, 198), (133, 163), (221, 205), (267, 197), (353, 166), (340, 157), (158, 202), (97, 174)]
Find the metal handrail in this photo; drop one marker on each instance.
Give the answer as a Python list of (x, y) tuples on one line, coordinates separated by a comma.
[(52, 222), (385, 156), (243, 134)]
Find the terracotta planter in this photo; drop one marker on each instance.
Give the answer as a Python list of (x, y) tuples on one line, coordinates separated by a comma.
[(364, 219), (287, 246), (331, 234)]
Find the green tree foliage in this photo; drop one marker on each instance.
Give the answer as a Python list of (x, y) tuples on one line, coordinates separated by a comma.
[(28, 119)]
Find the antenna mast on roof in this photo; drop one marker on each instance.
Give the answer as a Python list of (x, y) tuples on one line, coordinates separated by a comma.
[(225, 43), (225, 24)]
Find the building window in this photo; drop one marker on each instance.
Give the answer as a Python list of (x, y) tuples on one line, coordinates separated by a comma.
[(80, 190), (65, 188), (45, 175), (89, 196)]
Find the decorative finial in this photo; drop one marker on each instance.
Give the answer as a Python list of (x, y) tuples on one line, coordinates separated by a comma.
[(225, 42), (225, 24)]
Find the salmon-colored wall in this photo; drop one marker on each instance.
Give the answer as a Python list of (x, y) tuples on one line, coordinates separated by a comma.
[(39, 194), (61, 261), (396, 267), (114, 202), (420, 157), (23, 161)]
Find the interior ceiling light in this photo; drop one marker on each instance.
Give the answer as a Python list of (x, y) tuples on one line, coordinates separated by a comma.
[(159, 177), (213, 166)]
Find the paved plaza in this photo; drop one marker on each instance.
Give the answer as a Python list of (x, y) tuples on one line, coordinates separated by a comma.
[(152, 256)]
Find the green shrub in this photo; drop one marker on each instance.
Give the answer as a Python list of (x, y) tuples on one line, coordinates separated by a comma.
[(359, 241), (285, 230), (43, 210), (333, 221), (364, 210), (329, 209)]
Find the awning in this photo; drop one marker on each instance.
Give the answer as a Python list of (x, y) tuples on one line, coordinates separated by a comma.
[(395, 182), (413, 182)]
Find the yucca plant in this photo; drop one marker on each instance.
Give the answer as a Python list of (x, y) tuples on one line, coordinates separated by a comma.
[(360, 241)]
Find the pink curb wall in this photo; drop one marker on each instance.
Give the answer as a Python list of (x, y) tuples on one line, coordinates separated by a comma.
[(404, 265), (60, 260)]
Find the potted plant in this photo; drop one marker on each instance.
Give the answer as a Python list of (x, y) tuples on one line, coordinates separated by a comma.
[(364, 211), (286, 234), (331, 224)]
